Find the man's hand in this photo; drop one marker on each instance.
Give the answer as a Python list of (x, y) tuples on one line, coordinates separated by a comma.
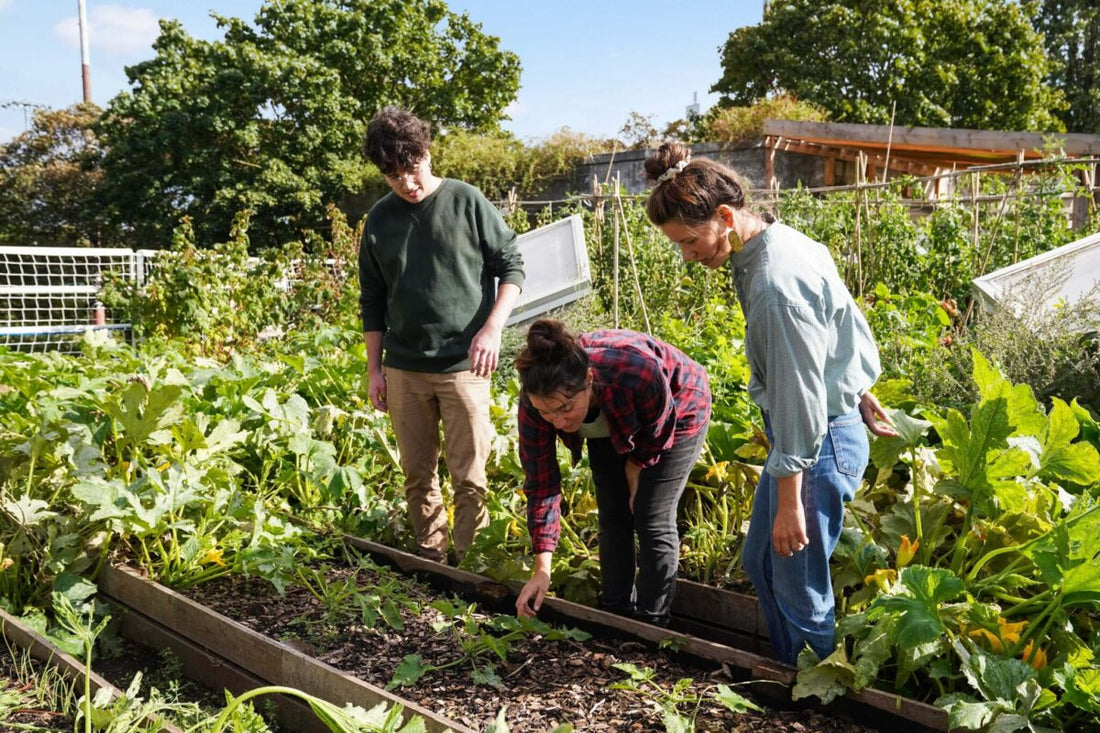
[(377, 389), (485, 350), (875, 417)]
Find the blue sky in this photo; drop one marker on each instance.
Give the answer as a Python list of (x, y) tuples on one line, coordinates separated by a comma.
[(586, 65)]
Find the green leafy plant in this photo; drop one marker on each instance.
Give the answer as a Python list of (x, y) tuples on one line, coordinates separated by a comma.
[(993, 568), (479, 641), (344, 599), (672, 702)]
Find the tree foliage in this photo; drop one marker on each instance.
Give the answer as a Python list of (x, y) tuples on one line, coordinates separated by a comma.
[(47, 177), (270, 118), (1072, 32), (970, 63)]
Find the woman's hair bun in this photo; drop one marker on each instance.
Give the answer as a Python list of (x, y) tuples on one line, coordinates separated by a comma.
[(665, 157), (547, 340)]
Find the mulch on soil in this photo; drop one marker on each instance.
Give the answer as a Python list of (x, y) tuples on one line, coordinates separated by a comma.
[(545, 683)]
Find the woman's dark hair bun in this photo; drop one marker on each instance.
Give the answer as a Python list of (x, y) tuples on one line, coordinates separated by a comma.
[(547, 340), (665, 157)]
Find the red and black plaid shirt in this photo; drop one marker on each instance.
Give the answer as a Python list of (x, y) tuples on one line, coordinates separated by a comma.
[(651, 394)]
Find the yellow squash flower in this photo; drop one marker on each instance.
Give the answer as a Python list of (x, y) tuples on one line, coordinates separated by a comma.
[(1007, 633), (1039, 660), (1010, 633), (906, 551), (883, 578), (213, 557), (994, 643), (718, 471)]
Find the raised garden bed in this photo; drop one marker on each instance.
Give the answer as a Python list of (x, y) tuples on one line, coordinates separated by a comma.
[(542, 682), (225, 653), (19, 636), (732, 617)]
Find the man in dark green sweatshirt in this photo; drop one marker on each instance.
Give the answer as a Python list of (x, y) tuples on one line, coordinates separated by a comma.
[(439, 272)]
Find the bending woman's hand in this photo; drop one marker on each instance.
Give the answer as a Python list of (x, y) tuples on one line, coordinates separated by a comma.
[(875, 417), (530, 598), (633, 473)]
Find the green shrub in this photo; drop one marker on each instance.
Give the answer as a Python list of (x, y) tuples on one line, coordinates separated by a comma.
[(1054, 351), (735, 125), (221, 300), (499, 163)]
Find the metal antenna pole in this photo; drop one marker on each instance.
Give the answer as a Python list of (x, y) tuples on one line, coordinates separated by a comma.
[(85, 59)]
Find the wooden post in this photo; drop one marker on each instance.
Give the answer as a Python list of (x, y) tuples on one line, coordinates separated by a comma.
[(597, 214), (889, 142), (1082, 202), (830, 171), (856, 244), (769, 162), (633, 263), (615, 263), (1016, 203), (975, 183)]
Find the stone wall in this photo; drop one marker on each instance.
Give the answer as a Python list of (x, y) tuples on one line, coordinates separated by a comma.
[(791, 169)]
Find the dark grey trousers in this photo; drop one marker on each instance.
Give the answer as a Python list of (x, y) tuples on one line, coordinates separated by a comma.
[(653, 522)]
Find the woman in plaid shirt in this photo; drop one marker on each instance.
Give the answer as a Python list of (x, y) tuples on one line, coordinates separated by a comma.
[(643, 407)]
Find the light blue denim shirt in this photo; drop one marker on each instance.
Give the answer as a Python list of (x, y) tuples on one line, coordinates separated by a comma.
[(810, 350)]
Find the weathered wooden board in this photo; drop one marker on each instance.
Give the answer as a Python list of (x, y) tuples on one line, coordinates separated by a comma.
[(217, 674), (42, 649), (737, 612), (269, 660), (718, 607)]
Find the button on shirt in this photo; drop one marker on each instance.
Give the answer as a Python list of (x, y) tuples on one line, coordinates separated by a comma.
[(651, 395), (809, 348)]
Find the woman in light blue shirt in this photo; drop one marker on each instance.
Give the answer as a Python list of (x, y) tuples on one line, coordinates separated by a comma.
[(813, 361)]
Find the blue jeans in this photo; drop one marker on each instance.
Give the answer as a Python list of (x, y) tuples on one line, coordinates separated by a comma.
[(796, 593), (653, 521)]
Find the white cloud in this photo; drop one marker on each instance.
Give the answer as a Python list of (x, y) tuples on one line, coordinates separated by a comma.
[(112, 29), (5, 4)]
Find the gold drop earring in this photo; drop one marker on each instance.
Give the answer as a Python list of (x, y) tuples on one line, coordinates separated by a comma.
[(734, 240)]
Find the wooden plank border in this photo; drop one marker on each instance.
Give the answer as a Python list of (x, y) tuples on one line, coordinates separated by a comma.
[(39, 647), (719, 607), (759, 666), (213, 671), (267, 659)]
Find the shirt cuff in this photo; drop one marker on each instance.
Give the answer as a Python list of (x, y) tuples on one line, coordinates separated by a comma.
[(781, 465)]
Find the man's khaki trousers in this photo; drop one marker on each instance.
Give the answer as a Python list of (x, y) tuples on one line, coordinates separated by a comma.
[(417, 402)]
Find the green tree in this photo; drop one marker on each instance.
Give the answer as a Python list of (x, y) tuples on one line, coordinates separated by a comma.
[(47, 177), (270, 119), (968, 63), (1071, 29)]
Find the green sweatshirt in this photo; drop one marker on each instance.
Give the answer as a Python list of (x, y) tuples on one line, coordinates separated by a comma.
[(428, 275)]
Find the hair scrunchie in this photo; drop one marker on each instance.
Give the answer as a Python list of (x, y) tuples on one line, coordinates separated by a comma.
[(672, 172)]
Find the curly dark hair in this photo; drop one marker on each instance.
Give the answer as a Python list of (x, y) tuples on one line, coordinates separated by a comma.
[(396, 140), (552, 362)]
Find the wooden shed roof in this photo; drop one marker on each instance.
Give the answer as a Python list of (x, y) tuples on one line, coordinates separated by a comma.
[(923, 147)]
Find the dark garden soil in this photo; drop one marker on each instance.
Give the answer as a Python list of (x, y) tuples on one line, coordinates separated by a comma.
[(20, 716), (545, 683)]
